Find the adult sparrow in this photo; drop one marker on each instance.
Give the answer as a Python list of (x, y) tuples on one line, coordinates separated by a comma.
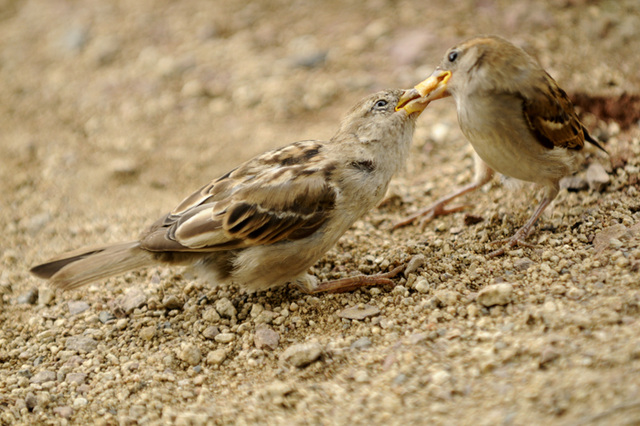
[(264, 223), (520, 123)]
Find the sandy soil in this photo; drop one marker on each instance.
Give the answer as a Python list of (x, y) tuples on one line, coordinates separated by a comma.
[(111, 112)]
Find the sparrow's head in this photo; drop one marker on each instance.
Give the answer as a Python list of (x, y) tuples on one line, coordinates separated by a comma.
[(382, 111), (481, 64)]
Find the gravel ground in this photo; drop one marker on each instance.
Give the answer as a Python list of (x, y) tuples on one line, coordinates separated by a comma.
[(113, 111)]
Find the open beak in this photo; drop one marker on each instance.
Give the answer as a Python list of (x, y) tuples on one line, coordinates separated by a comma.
[(434, 87), (411, 102)]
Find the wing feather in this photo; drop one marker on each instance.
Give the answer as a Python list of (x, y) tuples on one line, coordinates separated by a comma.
[(552, 118), (283, 194)]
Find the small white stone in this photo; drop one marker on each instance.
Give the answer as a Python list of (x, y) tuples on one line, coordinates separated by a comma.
[(80, 402), (440, 377), (225, 308), (496, 294), (422, 285), (224, 337), (190, 354), (302, 354), (216, 357)]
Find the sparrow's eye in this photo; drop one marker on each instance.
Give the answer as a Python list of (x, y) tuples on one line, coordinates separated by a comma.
[(380, 104), (453, 55)]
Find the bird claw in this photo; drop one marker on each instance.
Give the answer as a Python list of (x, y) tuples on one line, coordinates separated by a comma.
[(428, 214), (353, 283), (518, 239)]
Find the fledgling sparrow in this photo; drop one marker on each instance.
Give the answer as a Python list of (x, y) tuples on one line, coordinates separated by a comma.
[(520, 123), (264, 223)]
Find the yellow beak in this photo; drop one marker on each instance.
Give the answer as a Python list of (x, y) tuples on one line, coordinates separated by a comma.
[(434, 87), (411, 102)]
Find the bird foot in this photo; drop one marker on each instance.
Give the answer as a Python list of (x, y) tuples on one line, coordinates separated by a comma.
[(352, 283), (518, 239), (428, 214)]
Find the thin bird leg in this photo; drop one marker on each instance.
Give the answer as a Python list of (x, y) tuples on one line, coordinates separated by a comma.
[(483, 174), (352, 283), (518, 239)]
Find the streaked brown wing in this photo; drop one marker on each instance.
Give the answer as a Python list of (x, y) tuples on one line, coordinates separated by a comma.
[(283, 194), (551, 117)]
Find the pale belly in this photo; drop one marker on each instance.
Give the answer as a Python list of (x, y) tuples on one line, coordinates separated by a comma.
[(513, 153)]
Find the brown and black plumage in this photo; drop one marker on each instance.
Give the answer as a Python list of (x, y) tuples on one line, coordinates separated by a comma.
[(267, 221), (518, 120)]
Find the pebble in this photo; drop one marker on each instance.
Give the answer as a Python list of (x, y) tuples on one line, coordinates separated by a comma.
[(597, 177), (193, 89), (495, 294), (416, 262), (359, 312), (225, 337), (121, 324), (574, 183), (604, 237), (361, 343), (216, 357), (81, 344), (172, 302), (35, 223), (132, 299), (106, 316), (147, 333), (63, 411), (43, 377), (547, 356), (31, 401), (361, 376), (190, 353), (265, 337), (256, 309), (522, 264), (302, 354), (417, 338), (74, 38), (276, 391), (210, 332), (422, 285), (80, 402), (211, 315), (440, 377), (77, 378), (30, 297), (225, 308), (46, 295), (575, 293), (311, 60), (123, 168), (265, 317), (447, 297)]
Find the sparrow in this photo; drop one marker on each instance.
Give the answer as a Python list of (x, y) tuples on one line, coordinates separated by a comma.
[(518, 120), (264, 223)]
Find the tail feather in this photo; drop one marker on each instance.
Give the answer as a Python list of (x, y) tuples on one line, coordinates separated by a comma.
[(80, 267), (591, 140)]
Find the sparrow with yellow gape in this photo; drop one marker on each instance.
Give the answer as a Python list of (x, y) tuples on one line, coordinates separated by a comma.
[(264, 223)]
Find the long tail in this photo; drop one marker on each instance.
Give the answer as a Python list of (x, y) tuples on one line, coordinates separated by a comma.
[(591, 140), (80, 267)]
